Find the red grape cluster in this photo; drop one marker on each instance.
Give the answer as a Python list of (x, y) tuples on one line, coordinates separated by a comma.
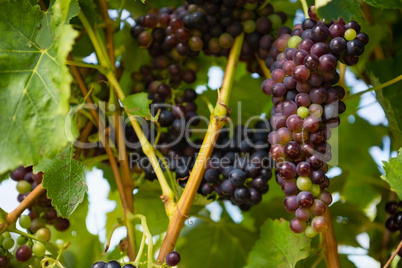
[(307, 103), (209, 26), (28, 250), (41, 212)]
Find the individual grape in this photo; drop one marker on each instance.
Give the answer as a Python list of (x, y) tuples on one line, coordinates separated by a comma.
[(25, 221), (319, 224), (311, 123), (211, 176), (294, 41), (391, 207), (8, 243), (292, 149), (288, 108), (294, 122), (315, 190), (311, 62), (391, 225), (297, 225), (362, 37), (195, 43), (327, 62), (350, 60), (303, 183), (300, 73), (166, 118), (318, 95), (241, 193), (284, 135), (237, 177), (301, 137), (310, 232), (303, 100), (263, 25), (303, 214), (290, 203), (23, 187), (18, 174), (278, 90), (172, 258), (318, 208), (150, 20), (336, 30), (319, 49), (226, 40), (227, 188), (305, 199), (289, 187), (61, 224), (287, 170), (38, 249), (21, 240), (23, 253), (337, 45), (43, 234), (99, 264), (299, 56), (355, 48), (4, 261), (112, 264), (319, 33)]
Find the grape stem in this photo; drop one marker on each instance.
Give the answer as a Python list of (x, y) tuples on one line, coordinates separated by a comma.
[(27, 202), (330, 244), (83, 64), (378, 87), (220, 113), (305, 8), (393, 255)]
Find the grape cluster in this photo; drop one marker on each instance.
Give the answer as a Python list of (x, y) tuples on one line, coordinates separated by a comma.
[(307, 103), (111, 264), (394, 222), (41, 212), (209, 26), (23, 249), (240, 166)]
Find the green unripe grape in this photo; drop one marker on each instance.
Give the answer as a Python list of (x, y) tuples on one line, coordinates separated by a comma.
[(6, 234), (294, 41), (25, 221), (276, 21), (21, 240), (350, 34), (315, 190), (249, 26), (43, 234), (250, 6), (8, 243), (39, 249), (303, 183), (23, 187), (309, 232), (303, 112)]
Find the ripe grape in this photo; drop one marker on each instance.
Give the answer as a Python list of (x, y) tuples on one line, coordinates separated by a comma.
[(23, 253), (172, 258)]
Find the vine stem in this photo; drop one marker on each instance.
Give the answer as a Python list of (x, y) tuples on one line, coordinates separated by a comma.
[(218, 117), (167, 193), (378, 87), (305, 8), (13, 215), (393, 255), (330, 244)]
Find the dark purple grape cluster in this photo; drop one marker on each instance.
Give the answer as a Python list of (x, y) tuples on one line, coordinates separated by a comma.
[(394, 222), (307, 104), (209, 26), (41, 211), (111, 264), (240, 167)]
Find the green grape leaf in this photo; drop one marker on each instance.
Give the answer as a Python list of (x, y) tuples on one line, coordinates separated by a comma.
[(384, 4), (278, 246), (214, 242), (138, 104), (64, 179), (35, 82), (393, 173), (332, 10)]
